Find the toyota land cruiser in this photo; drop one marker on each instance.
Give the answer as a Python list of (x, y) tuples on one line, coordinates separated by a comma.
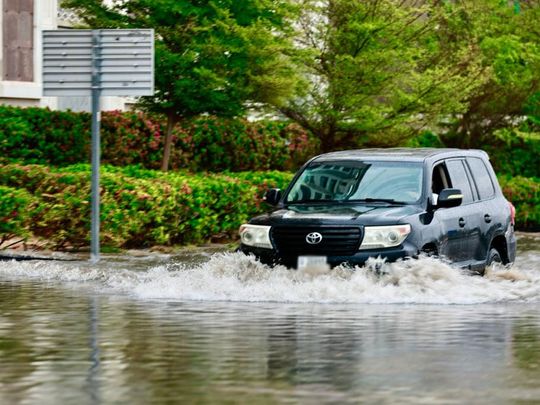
[(345, 207)]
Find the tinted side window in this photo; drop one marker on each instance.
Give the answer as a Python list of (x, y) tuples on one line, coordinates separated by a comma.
[(459, 179), (481, 178)]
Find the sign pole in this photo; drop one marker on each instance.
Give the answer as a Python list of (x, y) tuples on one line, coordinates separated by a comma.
[(95, 63), (96, 148)]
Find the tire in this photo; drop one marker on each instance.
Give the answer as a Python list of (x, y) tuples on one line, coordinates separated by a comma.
[(429, 251), (493, 257)]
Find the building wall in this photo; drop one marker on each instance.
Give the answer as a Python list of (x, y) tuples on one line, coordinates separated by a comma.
[(28, 93), (27, 90)]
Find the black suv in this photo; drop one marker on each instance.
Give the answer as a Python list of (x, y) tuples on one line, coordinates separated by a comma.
[(344, 207)]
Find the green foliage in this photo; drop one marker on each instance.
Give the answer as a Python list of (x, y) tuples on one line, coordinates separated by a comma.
[(131, 138), (266, 180), (515, 152), (140, 207), (524, 193), (34, 135), (360, 73), (215, 144), (14, 213), (426, 139), (510, 85), (211, 57), (37, 135), (382, 70), (512, 151)]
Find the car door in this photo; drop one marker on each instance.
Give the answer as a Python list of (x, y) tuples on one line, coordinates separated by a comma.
[(460, 224), (486, 207)]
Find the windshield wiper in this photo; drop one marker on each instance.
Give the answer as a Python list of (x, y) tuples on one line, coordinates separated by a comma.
[(306, 201), (384, 200), (361, 200)]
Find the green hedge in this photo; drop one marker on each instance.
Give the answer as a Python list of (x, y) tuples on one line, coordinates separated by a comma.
[(142, 207), (15, 208), (139, 207), (41, 136), (36, 135), (214, 144), (524, 193)]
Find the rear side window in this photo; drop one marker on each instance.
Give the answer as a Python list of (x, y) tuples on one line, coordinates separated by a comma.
[(481, 178), (459, 179)]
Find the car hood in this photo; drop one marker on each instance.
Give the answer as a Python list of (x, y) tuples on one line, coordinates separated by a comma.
[(337, 214)]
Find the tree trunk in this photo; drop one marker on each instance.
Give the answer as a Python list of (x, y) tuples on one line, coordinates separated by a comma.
[(331, 140), (327, 141), (171, 122)]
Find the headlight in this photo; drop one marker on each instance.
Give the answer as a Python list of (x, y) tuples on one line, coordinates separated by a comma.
[(376, 237), (256, 235)]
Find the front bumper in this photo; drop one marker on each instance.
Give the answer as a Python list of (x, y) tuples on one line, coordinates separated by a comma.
[(271, 257)]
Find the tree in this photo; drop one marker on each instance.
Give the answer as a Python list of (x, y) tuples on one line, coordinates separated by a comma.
[(508, 36), (212, 57), (381, 70)]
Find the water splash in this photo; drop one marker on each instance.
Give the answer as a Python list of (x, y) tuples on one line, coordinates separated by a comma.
[(236, 277)]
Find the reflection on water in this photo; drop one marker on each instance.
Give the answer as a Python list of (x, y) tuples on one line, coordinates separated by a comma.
[(73, 334), (526, 351)]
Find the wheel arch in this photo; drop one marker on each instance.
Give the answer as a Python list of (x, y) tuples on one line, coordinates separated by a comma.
[(499, 243), (430, 249)]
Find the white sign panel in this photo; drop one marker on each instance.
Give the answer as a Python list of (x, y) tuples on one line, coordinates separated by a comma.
[(123, 59)]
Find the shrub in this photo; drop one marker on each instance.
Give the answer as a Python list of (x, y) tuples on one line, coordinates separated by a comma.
[(35, 135), (132, 138), (140, 207), (515, 152), (524, 193), (426, 139), (215, 144), (14, 213)]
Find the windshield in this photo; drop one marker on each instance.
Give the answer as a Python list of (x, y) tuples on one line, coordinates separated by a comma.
[(399, 182)]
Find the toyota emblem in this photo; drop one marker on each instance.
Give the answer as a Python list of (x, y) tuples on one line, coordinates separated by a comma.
[(314, 238)]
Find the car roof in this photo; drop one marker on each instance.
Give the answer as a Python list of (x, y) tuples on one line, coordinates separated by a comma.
[(400, 154)]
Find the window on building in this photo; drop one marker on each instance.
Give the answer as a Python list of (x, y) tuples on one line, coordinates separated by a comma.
[(18, 46)]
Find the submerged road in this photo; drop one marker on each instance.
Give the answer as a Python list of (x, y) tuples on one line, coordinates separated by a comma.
[(214, 328)]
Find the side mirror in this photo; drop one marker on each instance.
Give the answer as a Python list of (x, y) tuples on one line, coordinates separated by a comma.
[(450, 197), (272, 196)]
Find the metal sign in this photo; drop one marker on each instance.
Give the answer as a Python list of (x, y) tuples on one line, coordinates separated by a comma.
[(98, 63), (125, 62)]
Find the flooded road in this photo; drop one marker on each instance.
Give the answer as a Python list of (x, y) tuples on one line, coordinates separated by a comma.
[(221, 328)]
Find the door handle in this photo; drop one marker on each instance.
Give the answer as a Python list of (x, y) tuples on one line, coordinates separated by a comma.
[(487, 218), (462, 222)]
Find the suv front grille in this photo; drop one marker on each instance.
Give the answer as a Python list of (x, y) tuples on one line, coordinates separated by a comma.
[(336, 240)]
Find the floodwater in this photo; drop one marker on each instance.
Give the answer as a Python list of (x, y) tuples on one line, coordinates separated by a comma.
[(208, 327)]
